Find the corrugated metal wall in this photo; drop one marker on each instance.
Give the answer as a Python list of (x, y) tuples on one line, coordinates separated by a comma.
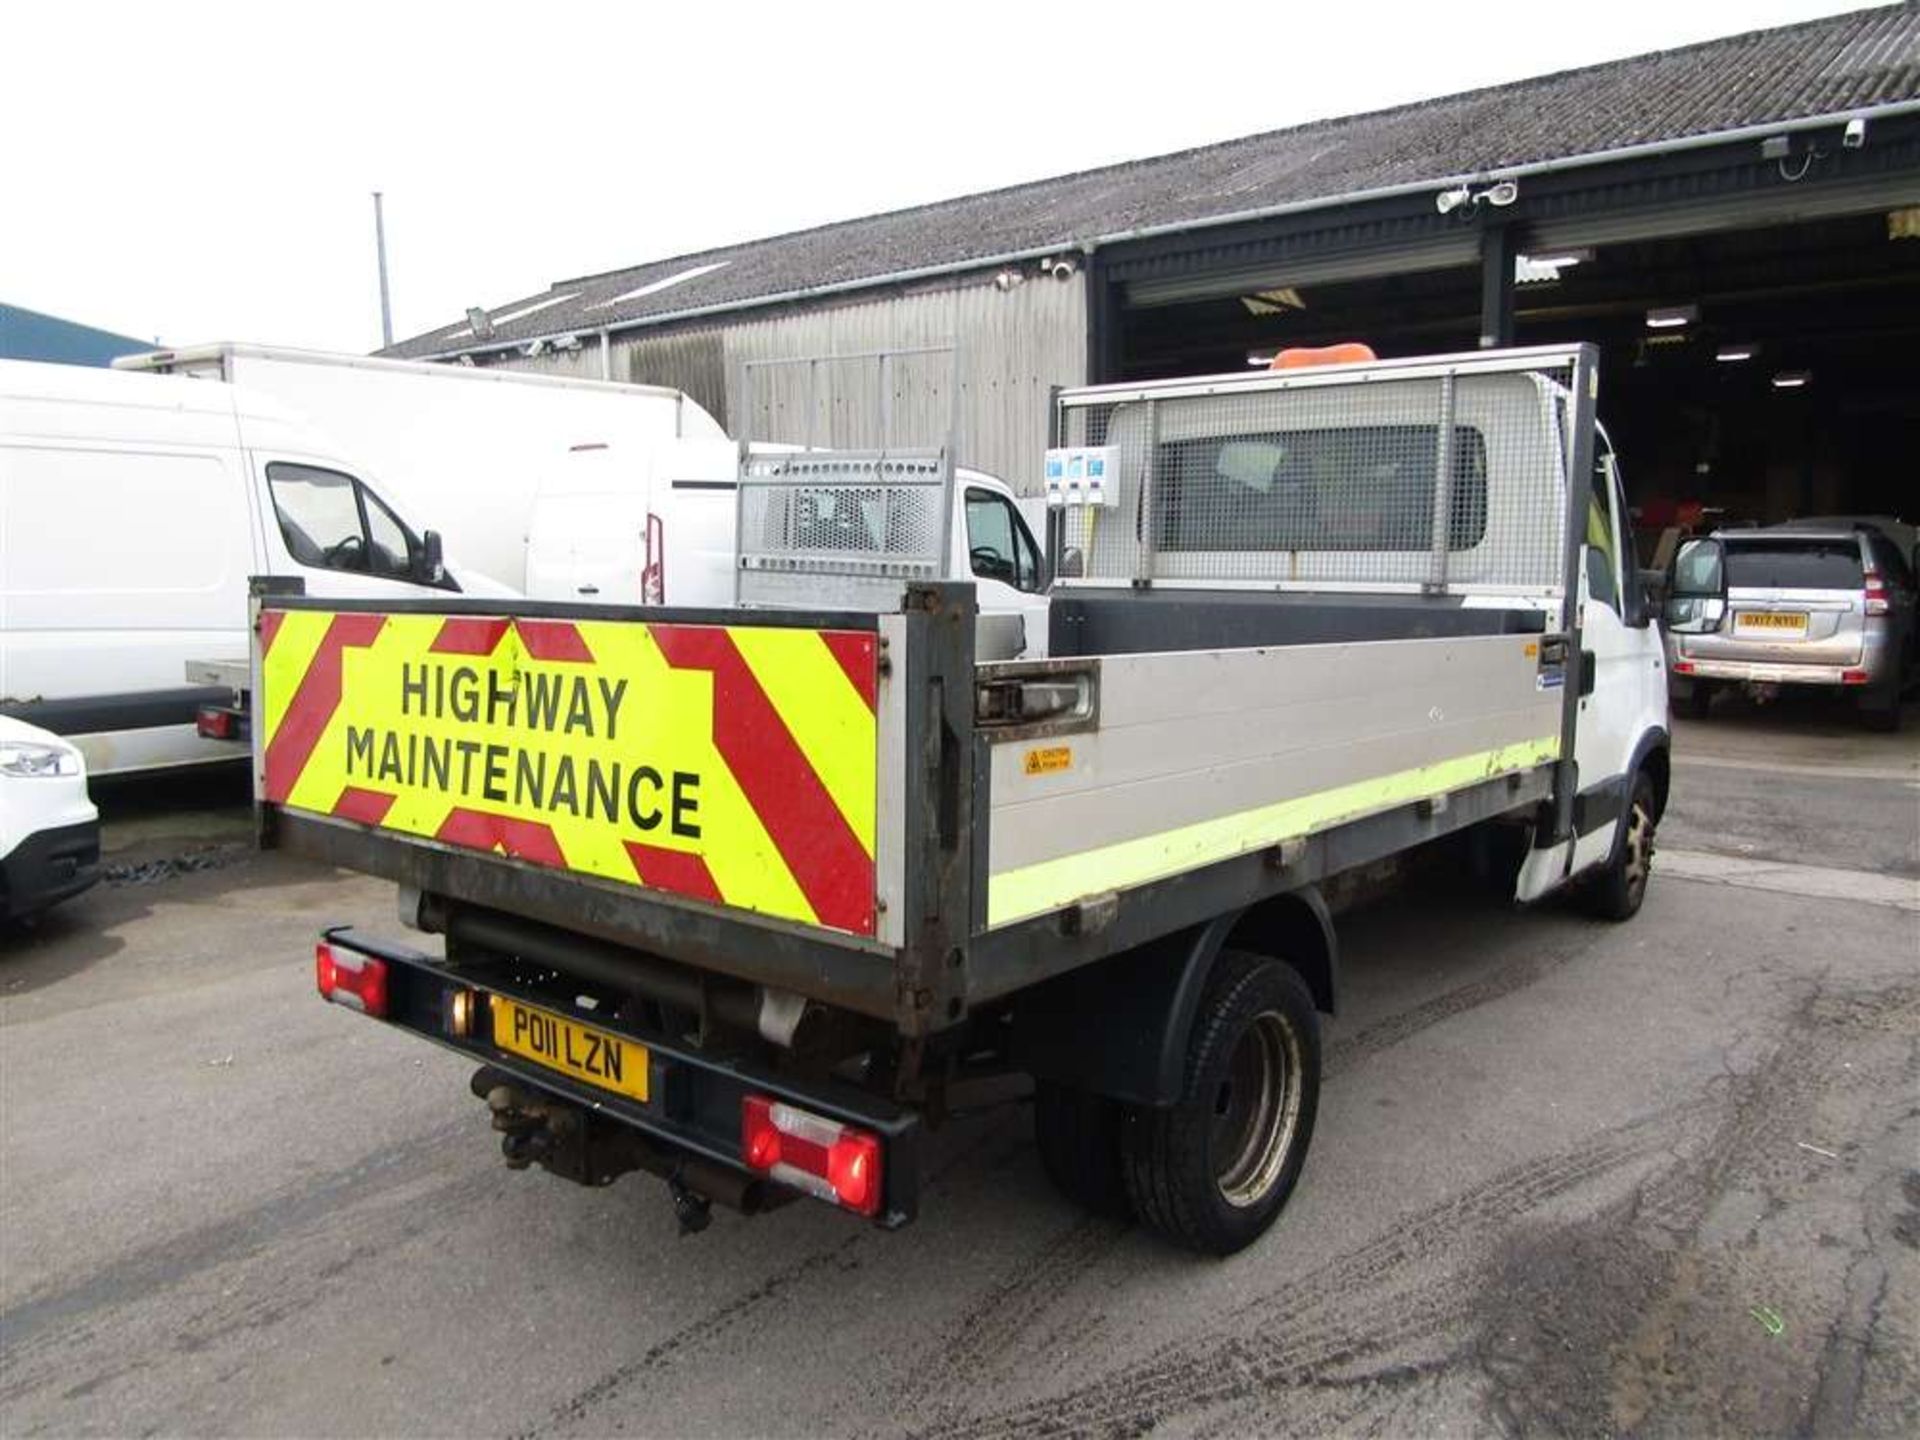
[(1008, 348)]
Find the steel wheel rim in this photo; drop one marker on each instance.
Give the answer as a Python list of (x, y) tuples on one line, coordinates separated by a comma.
[(1639, 849), (1256, 1110)]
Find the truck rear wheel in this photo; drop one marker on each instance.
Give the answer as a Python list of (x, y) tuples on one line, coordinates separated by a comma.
[(1212, 1171), (1078, 1134)]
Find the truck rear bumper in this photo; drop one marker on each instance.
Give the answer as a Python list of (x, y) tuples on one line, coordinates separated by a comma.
[(693, 1103)]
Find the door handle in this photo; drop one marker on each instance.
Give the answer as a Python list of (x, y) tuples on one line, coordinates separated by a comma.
[(588, 590)]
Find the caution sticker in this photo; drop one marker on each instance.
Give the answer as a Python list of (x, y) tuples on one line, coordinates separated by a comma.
[(733, 764), (1048, 759)]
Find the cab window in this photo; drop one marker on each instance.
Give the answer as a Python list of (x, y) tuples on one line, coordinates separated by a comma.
[(331, 522), (1603, 561), (998, 543)]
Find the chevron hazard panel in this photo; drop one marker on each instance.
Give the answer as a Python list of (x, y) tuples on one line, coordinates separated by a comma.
[(727, 763)]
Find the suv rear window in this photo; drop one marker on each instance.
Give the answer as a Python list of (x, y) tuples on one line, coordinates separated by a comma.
[(1794, 565)]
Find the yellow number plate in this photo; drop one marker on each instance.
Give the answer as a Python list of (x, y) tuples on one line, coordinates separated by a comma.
[(1795, 624), (572, 1049)]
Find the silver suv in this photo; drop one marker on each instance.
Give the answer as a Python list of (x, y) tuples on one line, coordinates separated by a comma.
[(1796, 604)]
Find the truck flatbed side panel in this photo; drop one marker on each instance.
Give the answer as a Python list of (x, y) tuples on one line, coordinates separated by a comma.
[(733, 764), (1200, 756)]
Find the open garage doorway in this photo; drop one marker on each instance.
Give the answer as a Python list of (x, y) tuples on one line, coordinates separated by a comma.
[(1754, 375)]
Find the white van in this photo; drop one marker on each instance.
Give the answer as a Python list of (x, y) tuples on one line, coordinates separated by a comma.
[(132, 510), (468, 446)]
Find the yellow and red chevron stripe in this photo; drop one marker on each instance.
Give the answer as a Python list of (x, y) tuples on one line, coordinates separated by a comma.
[(732, 764)]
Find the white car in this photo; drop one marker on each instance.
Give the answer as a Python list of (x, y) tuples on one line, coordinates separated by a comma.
[(49, 830)]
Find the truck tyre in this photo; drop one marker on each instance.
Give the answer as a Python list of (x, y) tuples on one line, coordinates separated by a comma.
[(1078, 1134), (1213, 1170), (1615, 891)]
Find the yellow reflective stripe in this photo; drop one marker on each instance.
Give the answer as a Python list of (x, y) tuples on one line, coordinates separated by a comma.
[(1050, 884), (828, 719), (285, 665)]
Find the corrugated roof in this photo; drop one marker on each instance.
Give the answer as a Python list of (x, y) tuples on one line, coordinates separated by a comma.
[(1823, 67)]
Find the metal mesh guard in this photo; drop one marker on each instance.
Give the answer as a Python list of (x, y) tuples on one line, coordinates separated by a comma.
[(863, 516), (1439, 480)]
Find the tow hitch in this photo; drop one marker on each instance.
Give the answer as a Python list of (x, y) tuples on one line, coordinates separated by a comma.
[(572, 1142)]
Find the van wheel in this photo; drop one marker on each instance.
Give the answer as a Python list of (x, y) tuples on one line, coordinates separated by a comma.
[(1078, 1134), (1617, 890), (1213, 1170)]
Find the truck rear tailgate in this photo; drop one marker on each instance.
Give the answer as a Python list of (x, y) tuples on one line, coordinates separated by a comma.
[(728, 764)]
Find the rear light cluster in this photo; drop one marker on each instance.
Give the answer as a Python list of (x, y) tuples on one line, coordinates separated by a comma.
[(830, 1161), (356, 981), (1853, 677), (1876, 593), (1683, 667), (214, 723)]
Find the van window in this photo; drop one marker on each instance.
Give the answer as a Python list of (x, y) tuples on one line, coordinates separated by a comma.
[(330, 521), (998, 543), (1364, 488), (1794, 564)]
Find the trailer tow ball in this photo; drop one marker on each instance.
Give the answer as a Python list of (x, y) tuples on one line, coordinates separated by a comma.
[(529, 1131)]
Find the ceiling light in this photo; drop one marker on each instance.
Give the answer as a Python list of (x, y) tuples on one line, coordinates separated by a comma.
[(1791, 379), (1672, 316), (1734, 354), (1260, 358), (1273, 302)]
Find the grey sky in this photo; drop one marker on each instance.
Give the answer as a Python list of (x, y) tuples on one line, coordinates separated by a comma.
[(193, 172)]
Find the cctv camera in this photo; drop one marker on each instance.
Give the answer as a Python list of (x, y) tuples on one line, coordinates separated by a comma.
[(1855, 134), (1061, 269), (1448, 201)]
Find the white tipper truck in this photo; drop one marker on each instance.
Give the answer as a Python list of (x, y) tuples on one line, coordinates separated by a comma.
[(746, 896)]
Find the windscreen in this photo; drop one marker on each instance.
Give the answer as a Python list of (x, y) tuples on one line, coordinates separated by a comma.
[(1793, 564), (1365, 488)]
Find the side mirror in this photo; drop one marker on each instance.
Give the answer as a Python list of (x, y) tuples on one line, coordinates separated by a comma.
[(430, 566), (1696, 602)]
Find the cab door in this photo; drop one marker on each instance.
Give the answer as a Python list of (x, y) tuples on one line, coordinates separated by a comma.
[(1622, 671)]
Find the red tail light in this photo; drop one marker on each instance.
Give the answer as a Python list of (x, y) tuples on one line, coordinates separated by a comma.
[(1853, 677), (356, 981), (1683, 667), (828, 1160), (216, 724), (653, 575), (1876, 593)]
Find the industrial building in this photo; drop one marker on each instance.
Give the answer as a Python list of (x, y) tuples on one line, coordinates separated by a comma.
[(1735, 223)]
